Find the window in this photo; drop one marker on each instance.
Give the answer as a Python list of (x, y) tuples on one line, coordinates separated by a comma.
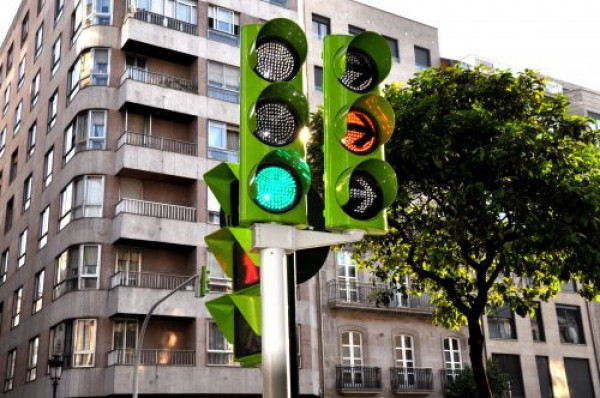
[(569, 287), (2, 141), (595, 119), (511, 366), (61, 341), (4, 265), (579, 378), (39, 41), (82, 197), (352, 359), (32, 359), (544, 377), (354, 30), (22, 252), (43, 233), (91, 68), (14, 165), (31, 140), (186, 11), (570, 327), (452, 358), (280, 3), (320, 26), (86, 132), (88, 12), (346, 277), (40, 5), (537, 324), (21, 72), (223, 141), (213, 207), (223, 25), (38, 292), (8, 215), (27, 190), (129, 265), (16, 307), (59, 6), (52, 109), (84, 344), (393, 44), (11, 361), (502, 323), (48, 167), (56, 54), (318, 78), (219, 351), (77, 268), (422, 58), (18, 117), (6, 98), (223, 82), (125, 335), (35, 89), (404, 351), (9, 58), (25, 28)]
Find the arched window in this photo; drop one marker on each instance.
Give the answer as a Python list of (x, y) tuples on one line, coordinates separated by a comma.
[(405, 351), (350, 374)]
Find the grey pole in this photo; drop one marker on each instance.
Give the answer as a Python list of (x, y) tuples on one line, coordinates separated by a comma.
[(275, 326), (140, 340)]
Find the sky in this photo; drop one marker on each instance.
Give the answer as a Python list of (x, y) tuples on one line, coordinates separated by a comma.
[(556, 37)]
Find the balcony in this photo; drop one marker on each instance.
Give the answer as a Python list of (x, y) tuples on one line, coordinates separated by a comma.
[(358, 379), (155, 209), (150, 280), (126, 356), (158, 143), (411, 380), (344, 294), (159, 79)]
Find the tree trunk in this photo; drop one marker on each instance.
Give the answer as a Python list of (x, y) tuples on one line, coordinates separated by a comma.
[(477, 360)]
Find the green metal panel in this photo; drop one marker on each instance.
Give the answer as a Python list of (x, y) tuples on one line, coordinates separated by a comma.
[(254, 89), (340, 163), (219, 180), (221, 242)]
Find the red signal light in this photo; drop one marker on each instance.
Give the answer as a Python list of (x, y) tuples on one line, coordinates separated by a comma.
[(361, 137)]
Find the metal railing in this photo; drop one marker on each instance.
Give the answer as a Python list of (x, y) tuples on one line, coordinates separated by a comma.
[(150, 280), (357, 377), (155, 209), (126, 356), (160, 143), (449, 375), (224, 37), (374, 295), (64, 287), (159, 79), (161, 20), (411, 379)]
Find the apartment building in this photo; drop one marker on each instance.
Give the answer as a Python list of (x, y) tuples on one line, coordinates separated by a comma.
[(112, 112)]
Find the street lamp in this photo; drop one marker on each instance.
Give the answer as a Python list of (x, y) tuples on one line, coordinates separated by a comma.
[(56, 365)]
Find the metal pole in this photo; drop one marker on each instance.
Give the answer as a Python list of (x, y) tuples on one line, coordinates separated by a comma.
[(140, 340), (54, 387), (275, 326)]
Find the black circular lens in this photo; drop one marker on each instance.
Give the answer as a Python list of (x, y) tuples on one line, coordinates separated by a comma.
[(276, 123), (276, 61), (360, 75), (366, 196)]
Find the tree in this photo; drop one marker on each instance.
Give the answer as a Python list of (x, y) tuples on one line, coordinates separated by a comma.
[(464, 386), (498, 201)]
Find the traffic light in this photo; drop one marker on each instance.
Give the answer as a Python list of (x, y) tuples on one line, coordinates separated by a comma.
[(274, 177), (204, 279), (359, 184), (238, 315)]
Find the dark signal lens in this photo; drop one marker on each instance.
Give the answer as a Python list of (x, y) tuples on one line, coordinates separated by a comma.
[(360, 75), (277, 125), (277, 61), (245, 341), (366, 196), (361, 137)]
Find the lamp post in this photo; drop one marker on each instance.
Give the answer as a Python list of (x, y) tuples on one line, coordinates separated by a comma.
[(56, 365)]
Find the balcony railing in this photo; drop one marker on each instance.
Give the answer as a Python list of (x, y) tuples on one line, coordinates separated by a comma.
[(155, 209), (159, 79), (126, 356), (411, 379), (449, 375), (64, 287), (358, 378), (374, 295), (159, 143), (150, 280), (161, 20)]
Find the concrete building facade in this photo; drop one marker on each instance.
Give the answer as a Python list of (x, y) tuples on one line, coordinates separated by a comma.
[(112, 112)]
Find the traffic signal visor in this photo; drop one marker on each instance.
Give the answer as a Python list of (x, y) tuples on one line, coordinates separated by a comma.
[(219, 179), (231, 245)]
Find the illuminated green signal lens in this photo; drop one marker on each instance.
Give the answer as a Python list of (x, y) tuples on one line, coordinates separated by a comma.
[(276, 189)]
